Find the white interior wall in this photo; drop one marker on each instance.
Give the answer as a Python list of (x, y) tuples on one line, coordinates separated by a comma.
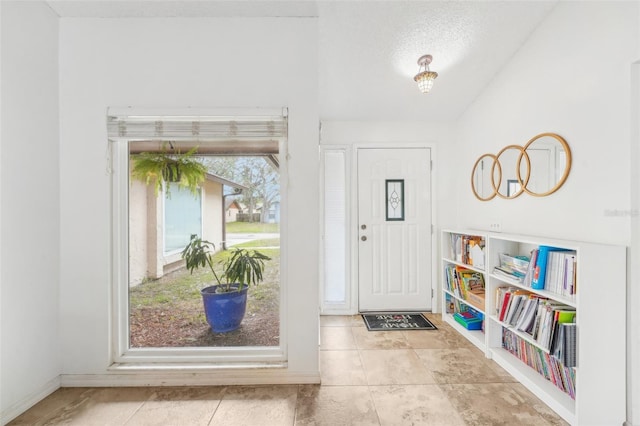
[(440, 135), (349, 134), (572, 77), (558, 83), (29, 228), (178, 63)]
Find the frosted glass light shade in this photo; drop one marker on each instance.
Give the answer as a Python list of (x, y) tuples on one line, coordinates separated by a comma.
[(425, 80)]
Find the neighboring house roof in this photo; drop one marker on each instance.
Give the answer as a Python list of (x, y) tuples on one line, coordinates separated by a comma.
[(230, 202), (227, 182)]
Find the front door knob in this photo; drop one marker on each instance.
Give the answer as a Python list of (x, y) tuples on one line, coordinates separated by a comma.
[(363, 238)]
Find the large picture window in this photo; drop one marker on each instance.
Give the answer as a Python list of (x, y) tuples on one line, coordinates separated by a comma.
[(236, 204)]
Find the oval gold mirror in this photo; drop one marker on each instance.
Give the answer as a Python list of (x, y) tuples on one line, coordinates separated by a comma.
[(550, 162), (481, 177), (507, 183)]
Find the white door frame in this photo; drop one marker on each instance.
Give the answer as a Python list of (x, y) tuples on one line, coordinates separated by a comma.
[(353, 216)]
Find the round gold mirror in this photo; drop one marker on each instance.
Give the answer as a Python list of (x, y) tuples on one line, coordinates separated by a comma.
[(507, 182), (550, 161), (481, 177)]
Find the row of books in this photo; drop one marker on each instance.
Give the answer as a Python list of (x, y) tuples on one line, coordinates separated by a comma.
[(550, 367), (540, 318), (465, 283), (553, 269), (548, 268), (468, 249)]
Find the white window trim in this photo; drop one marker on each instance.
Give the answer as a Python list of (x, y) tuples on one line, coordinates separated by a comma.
[(123, 357)]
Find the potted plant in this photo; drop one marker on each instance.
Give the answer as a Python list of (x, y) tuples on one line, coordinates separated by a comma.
[(163, 167), (225, 303)]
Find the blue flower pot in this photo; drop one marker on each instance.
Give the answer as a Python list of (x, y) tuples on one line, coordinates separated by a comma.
[(224, 311)]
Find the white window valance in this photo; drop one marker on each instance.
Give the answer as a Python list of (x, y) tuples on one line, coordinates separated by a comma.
[(194, 125)]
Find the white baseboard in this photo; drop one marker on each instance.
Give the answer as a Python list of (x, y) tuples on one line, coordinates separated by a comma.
[(189, 378), (19, 407)]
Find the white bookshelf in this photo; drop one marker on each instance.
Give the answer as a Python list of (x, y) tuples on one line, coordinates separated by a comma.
[(600, 302), (477, 337)]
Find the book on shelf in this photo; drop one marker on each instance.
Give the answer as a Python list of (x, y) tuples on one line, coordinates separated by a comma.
[(526, 321), (508, 301), (561, 272), (476, 252), (468, 249), (471, 280), (551, 314), (503, 294), (464, 283), (528, 277), (549, 367), (564, 345), (540, 274)]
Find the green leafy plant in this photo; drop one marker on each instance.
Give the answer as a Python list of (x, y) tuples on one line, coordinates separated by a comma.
[(162, 167), (243, 266)]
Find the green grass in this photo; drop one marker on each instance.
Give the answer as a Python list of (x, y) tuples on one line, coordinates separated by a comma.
[(182, 286), (270, 242), (252, 228)]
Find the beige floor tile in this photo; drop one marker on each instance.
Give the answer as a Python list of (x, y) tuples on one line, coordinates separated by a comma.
[(336, 338), (366, 339), (335, 406), (257, 405), (443, 338), (414, 405), (104, 407), (179, 406), (53, 405), (493, 404), (457, 366), (500, 372), (341, 368), (394, 367), (540, 407), (341, 321), (436, 319)]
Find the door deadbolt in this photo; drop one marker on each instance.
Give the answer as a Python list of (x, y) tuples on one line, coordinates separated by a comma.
[(363, 227)]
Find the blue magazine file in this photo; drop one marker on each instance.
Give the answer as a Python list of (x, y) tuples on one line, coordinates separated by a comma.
[(540, 271)]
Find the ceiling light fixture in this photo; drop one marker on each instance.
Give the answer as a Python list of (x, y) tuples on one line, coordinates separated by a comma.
[(425, 76)]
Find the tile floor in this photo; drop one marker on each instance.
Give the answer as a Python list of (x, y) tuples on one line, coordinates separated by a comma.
[(368, 378)]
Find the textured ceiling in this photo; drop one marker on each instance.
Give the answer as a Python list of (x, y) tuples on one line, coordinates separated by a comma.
[(182, 8), (368, 49), (369, 53)]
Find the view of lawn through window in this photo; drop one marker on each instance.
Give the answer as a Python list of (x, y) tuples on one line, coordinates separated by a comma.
[(236, 205)]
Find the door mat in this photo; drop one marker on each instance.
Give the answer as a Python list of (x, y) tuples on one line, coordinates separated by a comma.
[(397, 321)]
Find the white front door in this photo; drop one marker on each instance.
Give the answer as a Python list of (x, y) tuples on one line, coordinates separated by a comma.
[(394, 229)]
